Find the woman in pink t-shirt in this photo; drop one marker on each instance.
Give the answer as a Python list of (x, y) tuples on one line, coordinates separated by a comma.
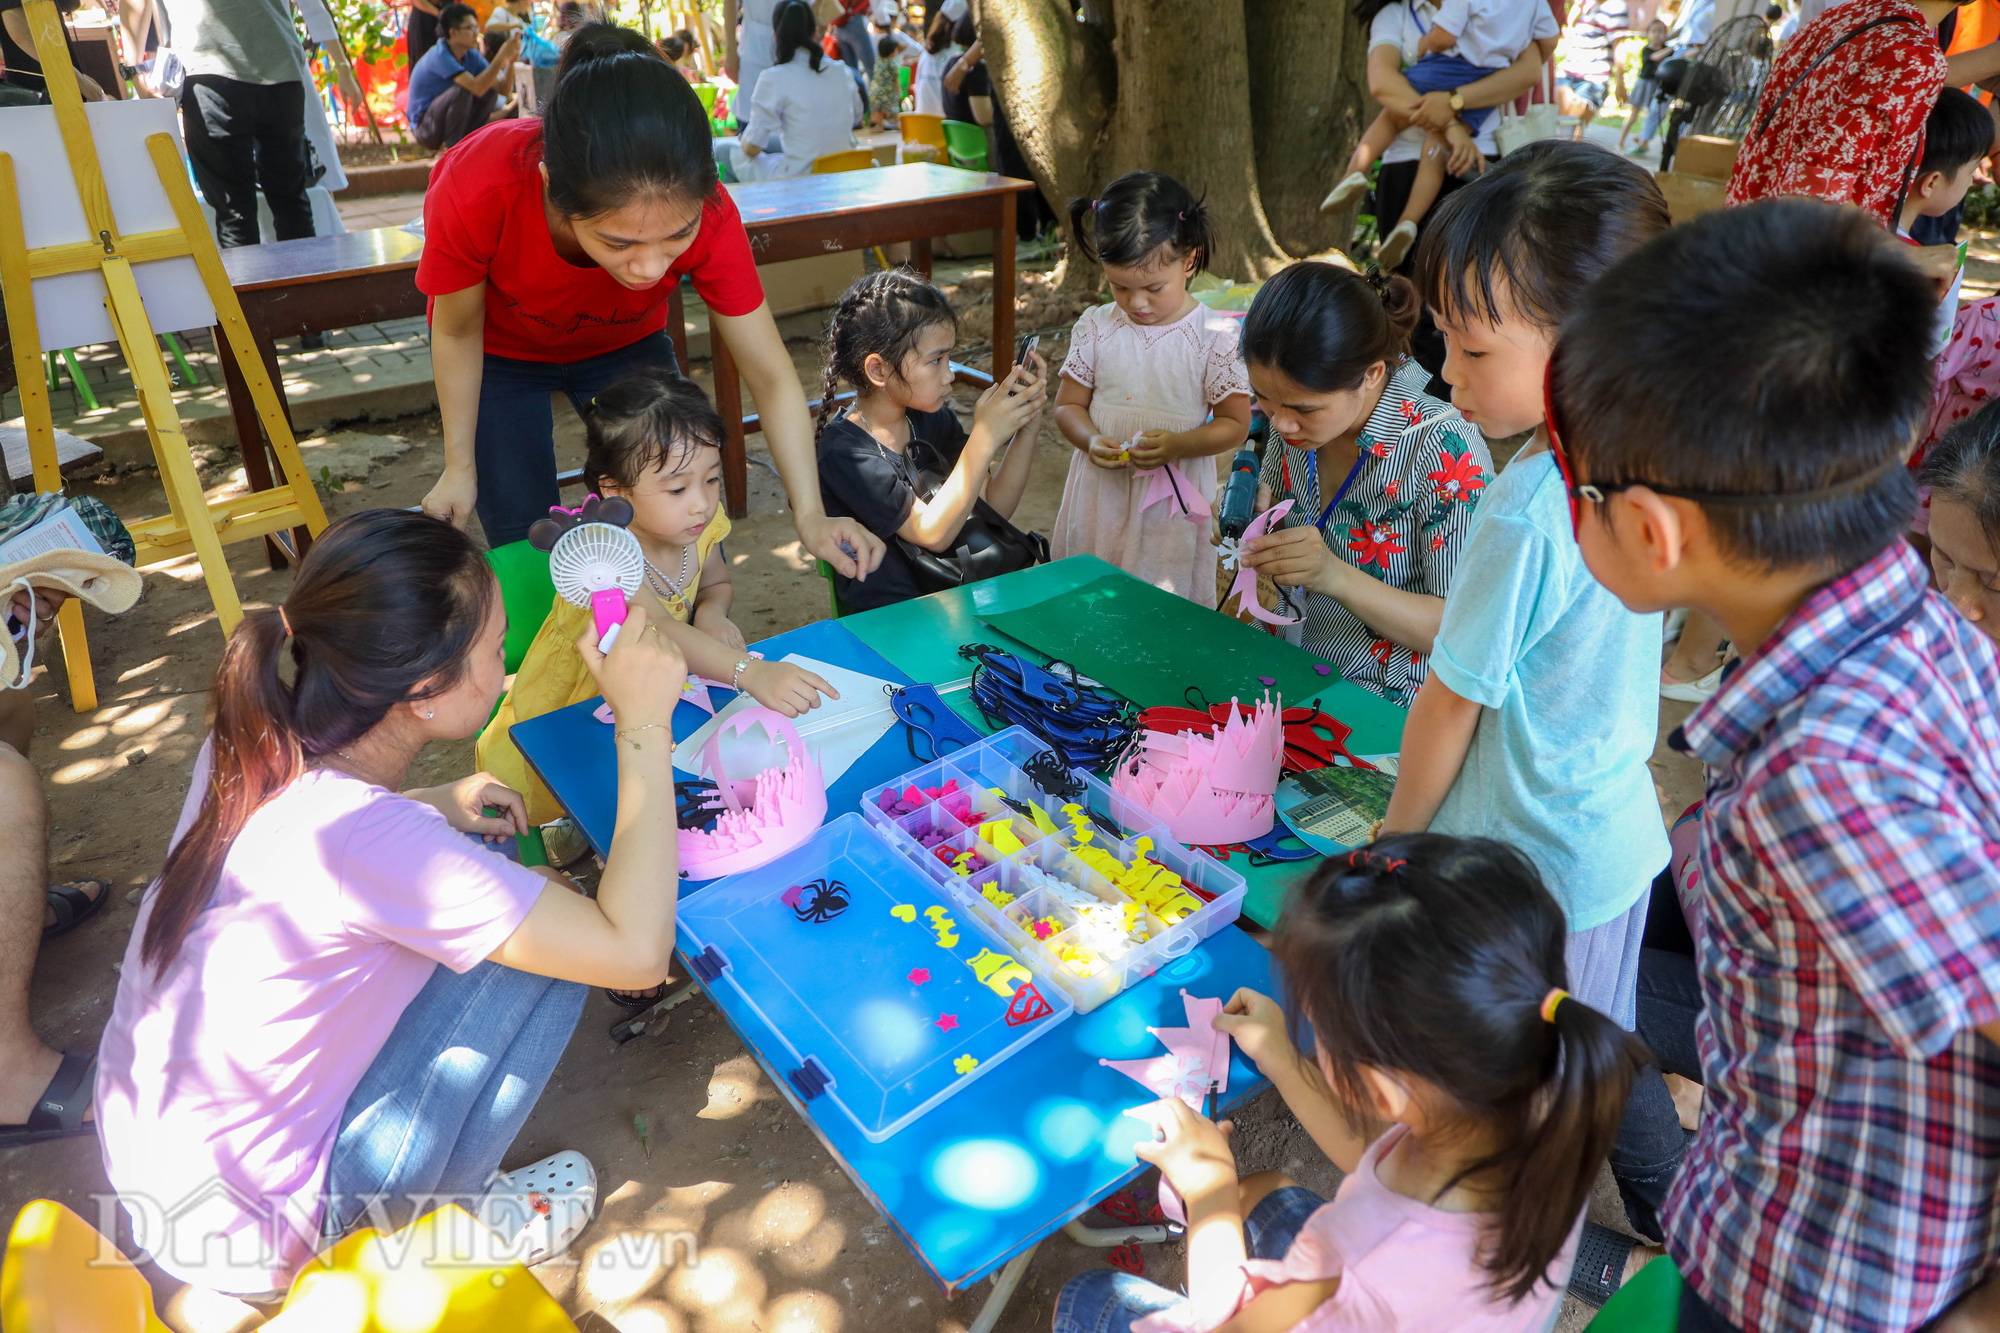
[(285, 1051), (1430, 972)]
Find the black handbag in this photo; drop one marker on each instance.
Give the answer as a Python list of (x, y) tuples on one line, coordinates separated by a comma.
[(987, 545)]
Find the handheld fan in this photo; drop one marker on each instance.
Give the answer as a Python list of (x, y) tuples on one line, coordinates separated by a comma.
[(593, 560)]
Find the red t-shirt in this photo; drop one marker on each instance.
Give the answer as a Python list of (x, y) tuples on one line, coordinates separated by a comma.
[(483, 221)]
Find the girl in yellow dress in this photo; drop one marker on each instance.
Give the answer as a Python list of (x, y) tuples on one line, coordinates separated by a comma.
[(655, 441)]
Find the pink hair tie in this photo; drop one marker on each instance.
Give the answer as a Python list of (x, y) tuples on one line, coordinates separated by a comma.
[(284, 620)]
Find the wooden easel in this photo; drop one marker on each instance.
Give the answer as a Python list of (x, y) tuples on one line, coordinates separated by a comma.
[(193, 524)]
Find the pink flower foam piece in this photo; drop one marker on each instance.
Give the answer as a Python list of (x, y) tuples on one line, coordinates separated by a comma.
[(1244, 589), (1169, 486)]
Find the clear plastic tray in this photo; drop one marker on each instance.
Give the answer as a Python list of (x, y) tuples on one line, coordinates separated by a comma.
[(948, 821), (914, 1018)]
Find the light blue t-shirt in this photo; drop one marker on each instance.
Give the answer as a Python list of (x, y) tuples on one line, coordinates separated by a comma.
[(1568, 683), (435, 73)]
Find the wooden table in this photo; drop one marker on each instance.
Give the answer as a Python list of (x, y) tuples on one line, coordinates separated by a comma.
[(812, 215), (310, 286)]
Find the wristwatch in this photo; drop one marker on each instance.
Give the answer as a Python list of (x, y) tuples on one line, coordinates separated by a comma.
[(1457, 100)]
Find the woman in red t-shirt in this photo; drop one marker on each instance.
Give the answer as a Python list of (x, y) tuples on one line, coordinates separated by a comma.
[(550, 249)]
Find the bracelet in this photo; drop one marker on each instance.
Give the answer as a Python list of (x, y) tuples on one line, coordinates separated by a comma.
[(737, 675), (622, 732)]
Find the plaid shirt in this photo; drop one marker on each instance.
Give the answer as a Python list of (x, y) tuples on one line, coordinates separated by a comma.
[(1847, 1169)]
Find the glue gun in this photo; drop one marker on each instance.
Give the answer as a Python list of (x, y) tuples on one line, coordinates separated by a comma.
[(1239, 497)]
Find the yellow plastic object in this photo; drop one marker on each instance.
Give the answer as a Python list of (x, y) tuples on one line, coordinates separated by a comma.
[(965, 1064), (998, 972), (852, 159), (435, 1275), (927, 130), (61, 1274), (999, 835), (993, 893)]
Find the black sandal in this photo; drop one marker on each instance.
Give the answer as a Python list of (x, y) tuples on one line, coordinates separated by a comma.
[(59, 1115), (1601, 1256), (73, 906), (636, 1001)]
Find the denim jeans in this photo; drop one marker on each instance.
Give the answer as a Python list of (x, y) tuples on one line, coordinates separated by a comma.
[(1105, 1300), (514, 443), (857, 44), (447, 1093), (1651, 1141)]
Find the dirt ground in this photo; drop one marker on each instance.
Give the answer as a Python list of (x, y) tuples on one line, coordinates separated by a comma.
[(788, 1244)]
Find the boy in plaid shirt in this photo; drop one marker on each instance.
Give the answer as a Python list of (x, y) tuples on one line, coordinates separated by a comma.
[(1732, 404)]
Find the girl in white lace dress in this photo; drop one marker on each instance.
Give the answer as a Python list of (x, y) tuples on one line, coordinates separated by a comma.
[(1153, 392)]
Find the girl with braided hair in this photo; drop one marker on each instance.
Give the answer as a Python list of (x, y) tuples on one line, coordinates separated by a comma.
[(890, 337), (1469, 1099)]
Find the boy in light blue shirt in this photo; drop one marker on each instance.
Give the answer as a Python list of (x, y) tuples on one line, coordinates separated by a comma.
[(1541, 710)]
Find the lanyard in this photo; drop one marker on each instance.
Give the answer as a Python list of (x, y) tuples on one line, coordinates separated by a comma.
[(1312, 471)]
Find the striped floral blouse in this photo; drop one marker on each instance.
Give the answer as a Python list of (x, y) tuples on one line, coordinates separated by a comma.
[(1401, 520)]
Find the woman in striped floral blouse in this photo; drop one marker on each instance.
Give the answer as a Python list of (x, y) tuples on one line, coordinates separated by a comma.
[(1384, 477)]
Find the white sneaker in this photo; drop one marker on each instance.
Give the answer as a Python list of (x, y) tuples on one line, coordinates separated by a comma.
[(1350, 189), (1396, 245), (1670, 629), (539, 1209), (1690, 691)]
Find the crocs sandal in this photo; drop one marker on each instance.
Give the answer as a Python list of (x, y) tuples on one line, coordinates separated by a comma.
[(1599, 1270), (59, 1114), (540, 1208), (636, 1001), (73, 906)]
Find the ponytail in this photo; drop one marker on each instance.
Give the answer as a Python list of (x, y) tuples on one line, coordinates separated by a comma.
[(1137, 214), (1435, 957), (622, 125), (881, 315), (1324, 326), (795, 30), (387, 608)]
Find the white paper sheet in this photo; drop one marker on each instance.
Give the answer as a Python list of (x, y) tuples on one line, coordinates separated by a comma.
[(838, 732)]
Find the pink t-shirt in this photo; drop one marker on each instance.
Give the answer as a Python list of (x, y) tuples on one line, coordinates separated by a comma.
[(1402, 1264), (222, 1078)]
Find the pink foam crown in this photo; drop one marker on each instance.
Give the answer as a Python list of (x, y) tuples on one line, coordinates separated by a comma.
[(767, 815), (1210, 790)]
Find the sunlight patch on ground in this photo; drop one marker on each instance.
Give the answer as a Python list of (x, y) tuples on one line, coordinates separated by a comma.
[(794, 555), (803, 1312), (734, 1087), (724, 1278)]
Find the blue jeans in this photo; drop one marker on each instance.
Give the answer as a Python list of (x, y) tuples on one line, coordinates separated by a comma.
[(514, 444), (447, 1093), (1105, 1300)]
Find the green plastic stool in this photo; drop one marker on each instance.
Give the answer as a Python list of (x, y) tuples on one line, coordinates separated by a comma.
[(1649, 1303), (967, 144), (834, 609), (527, 592)]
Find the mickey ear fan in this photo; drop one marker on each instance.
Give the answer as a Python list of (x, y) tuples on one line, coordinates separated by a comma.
[(594, 560)]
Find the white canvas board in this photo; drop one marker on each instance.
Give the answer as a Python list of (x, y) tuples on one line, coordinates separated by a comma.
[(69, 309)]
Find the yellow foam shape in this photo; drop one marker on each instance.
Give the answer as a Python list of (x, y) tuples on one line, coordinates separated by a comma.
[(904, 912), (947, 940), (1080, 961), (1177, 908), (999, 835), (1103, 862), (933, 913), (1041, 818), (965, 1064), (1142, 845), (998, 972), (996, 895)]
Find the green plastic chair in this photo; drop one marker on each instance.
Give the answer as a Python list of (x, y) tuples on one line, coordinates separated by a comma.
[(706, 92), (1649, 1303), (902, 83), (527, 592), (834, 609), (967, 144)]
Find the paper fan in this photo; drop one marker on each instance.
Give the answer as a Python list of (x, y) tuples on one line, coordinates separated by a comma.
[(598, 566)]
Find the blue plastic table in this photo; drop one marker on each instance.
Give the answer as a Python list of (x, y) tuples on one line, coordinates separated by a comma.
[(985, 1177)]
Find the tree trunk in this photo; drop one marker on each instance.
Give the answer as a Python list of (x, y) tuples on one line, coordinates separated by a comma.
[(1089, 100), (1308, 107)]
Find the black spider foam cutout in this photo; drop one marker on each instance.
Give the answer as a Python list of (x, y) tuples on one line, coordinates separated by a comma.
[(1049, 773), (697, 804), (818, 901)]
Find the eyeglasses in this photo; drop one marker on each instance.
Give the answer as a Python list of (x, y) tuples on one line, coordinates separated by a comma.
[(1596, 492)]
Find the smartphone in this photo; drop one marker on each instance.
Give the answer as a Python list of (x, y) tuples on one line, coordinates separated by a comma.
[(1022, 346)]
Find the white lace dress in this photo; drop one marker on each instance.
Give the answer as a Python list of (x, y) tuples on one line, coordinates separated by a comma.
[(1148, 377)]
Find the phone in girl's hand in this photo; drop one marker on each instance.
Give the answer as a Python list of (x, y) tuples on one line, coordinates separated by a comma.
[(1024, 345)]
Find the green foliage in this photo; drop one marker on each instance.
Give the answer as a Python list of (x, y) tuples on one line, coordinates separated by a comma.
[(364, 28), (1982, 206)]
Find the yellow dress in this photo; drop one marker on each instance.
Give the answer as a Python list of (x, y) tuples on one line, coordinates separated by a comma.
[(553, 676)]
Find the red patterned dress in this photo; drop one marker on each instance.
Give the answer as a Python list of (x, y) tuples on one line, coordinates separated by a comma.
[(1851, 130)]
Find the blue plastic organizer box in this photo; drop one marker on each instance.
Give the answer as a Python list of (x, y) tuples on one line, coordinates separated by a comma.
[(995, 777), (888, 994)]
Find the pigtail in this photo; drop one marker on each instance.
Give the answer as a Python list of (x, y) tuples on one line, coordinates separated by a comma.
[(254, 754), (829, 388), (1079, 209), (1400, 304), (1553, 1167), (1191, 234), (881, 315)]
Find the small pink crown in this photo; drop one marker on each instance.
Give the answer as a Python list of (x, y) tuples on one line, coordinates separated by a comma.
[(1210, 790), (767, 815)]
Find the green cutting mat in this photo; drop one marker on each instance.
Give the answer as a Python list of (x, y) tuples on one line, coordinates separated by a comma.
[(1145, 644)]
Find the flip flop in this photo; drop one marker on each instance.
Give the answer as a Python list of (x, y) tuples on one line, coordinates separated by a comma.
[(540, 1208), (1599, 1270), (59, 1114), (634, 1002), (73, 906)]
